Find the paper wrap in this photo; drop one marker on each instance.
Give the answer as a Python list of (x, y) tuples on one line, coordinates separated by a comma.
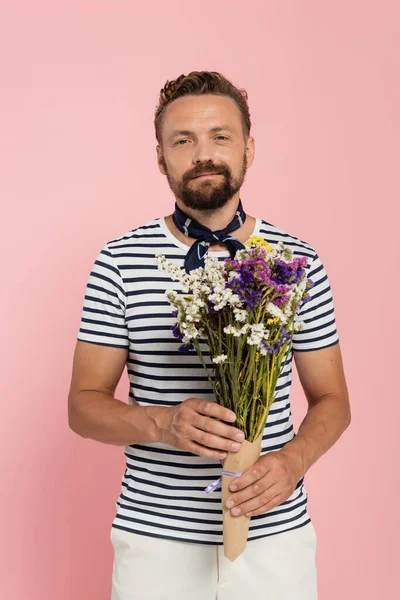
[(235, 529)]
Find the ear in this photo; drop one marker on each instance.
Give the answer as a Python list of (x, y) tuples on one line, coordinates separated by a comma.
[(250, 151), (160, 159)]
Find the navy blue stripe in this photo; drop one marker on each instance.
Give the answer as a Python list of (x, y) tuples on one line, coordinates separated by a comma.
[(96, 311), (104, 324), (186, 488), (307, 331), (103, 334), (173, 465), (304, 311), (179, 518), (319, 316), (108, 280), (320, 348), (192, 509), (163, 536), (314, 340), (207, 499), (166, 475), (101, 343), (273, 524)]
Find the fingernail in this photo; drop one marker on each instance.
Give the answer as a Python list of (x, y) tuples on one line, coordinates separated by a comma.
[(235, 446), (229, 503), (240, 436)]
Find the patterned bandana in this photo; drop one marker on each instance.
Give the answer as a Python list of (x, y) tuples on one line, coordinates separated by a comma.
[(198, 251)]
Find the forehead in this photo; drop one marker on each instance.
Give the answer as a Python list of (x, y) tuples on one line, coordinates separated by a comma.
[(198, 113)]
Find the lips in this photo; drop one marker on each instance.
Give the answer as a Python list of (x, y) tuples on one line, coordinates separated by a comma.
[(208, 173)]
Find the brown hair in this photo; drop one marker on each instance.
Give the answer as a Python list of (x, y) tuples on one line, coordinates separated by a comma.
[(195, 84)]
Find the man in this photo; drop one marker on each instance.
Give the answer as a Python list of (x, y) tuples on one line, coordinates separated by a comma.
[(167, 532)]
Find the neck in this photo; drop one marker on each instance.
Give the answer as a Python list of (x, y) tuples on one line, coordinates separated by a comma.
[(214, 219)]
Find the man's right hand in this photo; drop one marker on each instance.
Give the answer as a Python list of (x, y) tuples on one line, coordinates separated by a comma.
[(192, 425)]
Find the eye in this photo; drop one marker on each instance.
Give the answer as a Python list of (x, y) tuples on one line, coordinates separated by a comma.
[(224, 136), (178, 142)]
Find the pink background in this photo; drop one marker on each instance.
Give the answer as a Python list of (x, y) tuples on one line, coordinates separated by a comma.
[(79, 86)]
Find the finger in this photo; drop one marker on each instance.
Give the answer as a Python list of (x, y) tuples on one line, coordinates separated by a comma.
[(200, 450), (212, 409), (266, 507), (256, 472), (267, 498), (247, 495), (218, 428), (212, 441)]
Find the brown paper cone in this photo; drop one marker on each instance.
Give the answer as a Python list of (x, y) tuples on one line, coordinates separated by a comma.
[(235, 529)]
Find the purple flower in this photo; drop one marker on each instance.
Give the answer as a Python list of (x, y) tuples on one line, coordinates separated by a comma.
[(231, 264), (186, 347), (176, 332), (307, 298), (266, 347), (210, 308), (282, 289), (250, 296), (289, 273), (277, 345), (280, 300)]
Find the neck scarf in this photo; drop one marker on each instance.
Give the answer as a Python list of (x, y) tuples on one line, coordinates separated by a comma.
[(204, 236)]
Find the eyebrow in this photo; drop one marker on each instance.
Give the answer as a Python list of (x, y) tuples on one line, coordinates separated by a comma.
[(213, 130)]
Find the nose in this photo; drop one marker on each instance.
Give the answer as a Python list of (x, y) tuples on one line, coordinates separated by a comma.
[(203, 153)]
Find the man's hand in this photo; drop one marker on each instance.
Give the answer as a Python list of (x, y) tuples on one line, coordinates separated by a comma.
[(268, 483), (198, 426)]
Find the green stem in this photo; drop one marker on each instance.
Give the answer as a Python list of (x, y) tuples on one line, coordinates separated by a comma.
[(200, 355)]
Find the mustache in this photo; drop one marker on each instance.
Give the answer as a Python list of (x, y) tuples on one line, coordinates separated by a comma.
[(209, 171)]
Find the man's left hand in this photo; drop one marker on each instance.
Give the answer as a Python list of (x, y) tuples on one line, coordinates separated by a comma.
[(268, 483)]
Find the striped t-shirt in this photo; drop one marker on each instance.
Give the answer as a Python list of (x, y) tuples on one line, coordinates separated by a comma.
[(162, 490)]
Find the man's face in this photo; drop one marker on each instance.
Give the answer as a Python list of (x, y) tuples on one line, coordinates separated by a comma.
[(203, 134)]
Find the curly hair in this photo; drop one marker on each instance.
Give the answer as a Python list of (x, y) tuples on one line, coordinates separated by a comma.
[(195, 84)]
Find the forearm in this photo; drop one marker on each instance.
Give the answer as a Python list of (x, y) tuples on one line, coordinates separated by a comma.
[(101, 417), (322, 426)]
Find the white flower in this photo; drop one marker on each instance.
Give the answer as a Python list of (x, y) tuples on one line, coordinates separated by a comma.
[(258, 332), (281, 246), (235, 331), (232, 275), (287, 254), (235, 301), (199, 302), (275, 311), (219, 359), (242, 254), (221, 297), (240, 315), (299, 326)]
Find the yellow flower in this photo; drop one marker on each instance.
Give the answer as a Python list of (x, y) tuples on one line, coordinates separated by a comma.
[(272, 321), (256, 240)]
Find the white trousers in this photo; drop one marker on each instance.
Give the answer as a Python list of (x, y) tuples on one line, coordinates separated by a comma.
[(277, 567)]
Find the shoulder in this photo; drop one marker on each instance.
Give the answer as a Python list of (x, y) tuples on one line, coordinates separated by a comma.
[(274, 234), (140, 234)]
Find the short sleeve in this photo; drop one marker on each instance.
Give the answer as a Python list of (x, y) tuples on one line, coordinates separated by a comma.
[(103, 313), (318, 313)]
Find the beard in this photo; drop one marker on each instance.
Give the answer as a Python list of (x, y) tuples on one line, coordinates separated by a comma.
[(207, 194)]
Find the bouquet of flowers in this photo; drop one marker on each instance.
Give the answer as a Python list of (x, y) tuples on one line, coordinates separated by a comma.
[(244, 310)]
